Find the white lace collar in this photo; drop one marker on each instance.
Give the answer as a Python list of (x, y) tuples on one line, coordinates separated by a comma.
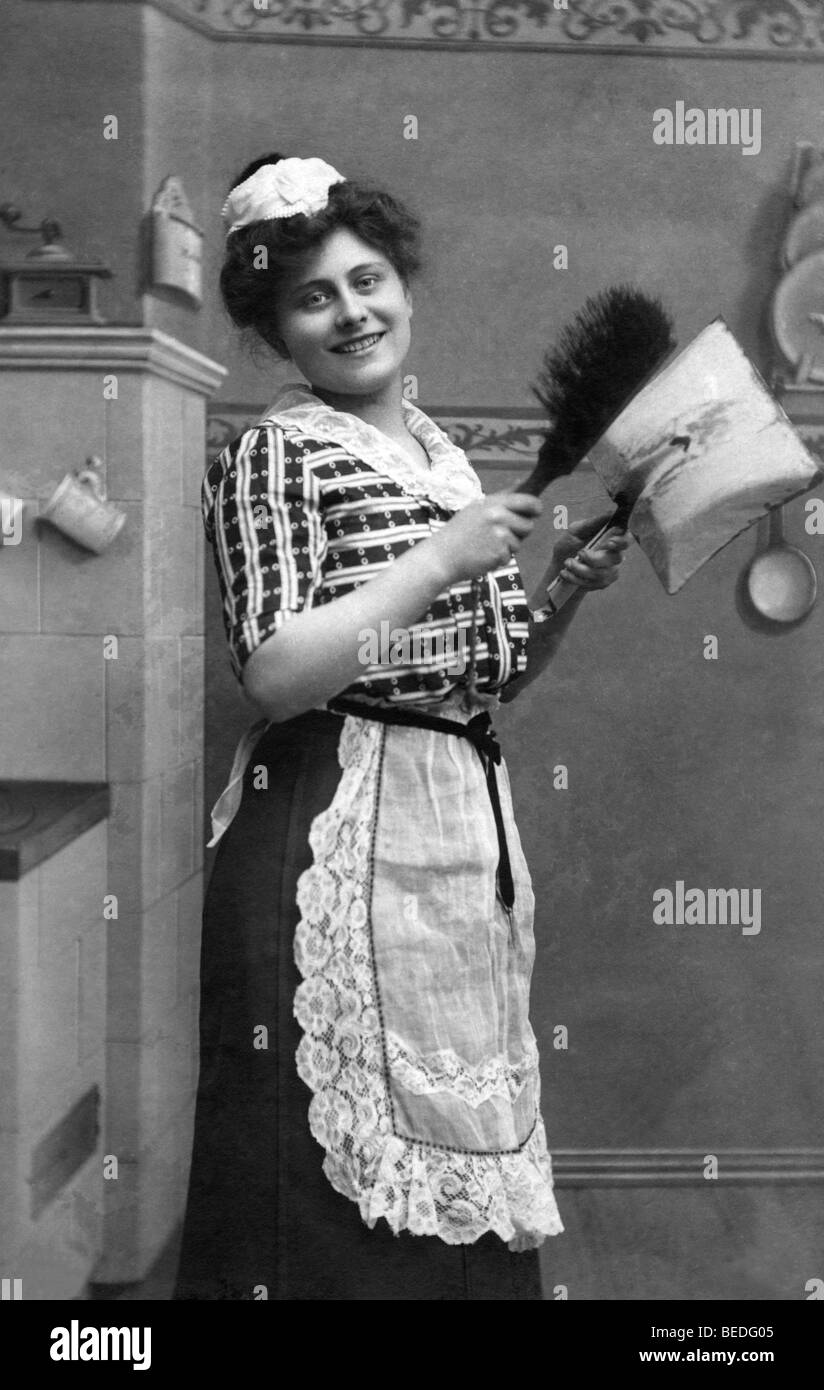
[(451, 481)]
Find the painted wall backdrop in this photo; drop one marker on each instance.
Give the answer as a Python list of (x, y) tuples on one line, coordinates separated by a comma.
[(696, 1039)]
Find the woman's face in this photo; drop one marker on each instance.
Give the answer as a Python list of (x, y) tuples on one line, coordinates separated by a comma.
[(344, 319)]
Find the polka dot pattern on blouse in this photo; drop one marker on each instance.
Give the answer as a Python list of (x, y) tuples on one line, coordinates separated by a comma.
[(295, 522)]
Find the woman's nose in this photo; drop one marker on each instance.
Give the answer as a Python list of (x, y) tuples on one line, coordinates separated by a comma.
[(350, 309)]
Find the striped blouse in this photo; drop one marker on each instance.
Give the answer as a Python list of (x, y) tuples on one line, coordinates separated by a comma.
[(310, 503)]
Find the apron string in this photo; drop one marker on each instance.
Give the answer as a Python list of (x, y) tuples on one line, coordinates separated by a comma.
[(226, 806), (480, 733)]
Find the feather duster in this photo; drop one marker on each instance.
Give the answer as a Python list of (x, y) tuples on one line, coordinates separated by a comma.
[(613, 346), (618, 340)]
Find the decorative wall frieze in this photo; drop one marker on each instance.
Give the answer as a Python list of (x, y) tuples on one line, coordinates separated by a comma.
[(695, 28), (502, 438)]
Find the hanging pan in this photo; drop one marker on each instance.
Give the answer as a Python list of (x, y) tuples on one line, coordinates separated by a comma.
[(781, 579)]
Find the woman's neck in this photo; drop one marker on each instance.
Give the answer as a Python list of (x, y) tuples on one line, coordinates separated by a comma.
[(383, 410)]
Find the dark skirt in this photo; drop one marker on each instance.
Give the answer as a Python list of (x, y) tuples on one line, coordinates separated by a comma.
[(262, 1219)]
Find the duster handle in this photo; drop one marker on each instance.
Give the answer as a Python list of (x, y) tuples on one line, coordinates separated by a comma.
[(561, 590), (552, 463), (534, 484)]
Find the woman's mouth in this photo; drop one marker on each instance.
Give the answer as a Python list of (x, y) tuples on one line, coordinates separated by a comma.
[(356, 346)]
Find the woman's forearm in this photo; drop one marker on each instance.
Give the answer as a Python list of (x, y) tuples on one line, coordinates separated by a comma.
[(315, 654)]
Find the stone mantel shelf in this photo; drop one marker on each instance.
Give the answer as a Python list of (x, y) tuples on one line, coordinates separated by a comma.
[(108, 348), (44, 817)]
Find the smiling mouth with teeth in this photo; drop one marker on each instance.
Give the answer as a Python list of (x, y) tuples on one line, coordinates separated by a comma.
[(359, 344)]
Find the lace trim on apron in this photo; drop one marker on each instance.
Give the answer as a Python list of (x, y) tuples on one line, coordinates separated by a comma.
[(370, 1086)]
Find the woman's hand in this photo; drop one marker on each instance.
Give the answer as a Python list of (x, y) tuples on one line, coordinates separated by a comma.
[(485, 534), (590, 571)]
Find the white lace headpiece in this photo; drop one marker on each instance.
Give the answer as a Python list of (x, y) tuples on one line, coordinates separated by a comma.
[(280, 190)]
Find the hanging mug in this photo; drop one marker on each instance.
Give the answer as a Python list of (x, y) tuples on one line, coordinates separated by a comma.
[(11, 519), (78, 507)]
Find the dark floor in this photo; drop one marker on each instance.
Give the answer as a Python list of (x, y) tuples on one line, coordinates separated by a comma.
[(706, 1243)]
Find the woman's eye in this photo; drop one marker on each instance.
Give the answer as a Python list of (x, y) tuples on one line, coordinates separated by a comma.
[(368, 281), (314, 299)]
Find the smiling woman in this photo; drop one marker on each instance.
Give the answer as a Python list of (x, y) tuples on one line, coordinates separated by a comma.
[(266, 253), (368, 1117), (347, 324)]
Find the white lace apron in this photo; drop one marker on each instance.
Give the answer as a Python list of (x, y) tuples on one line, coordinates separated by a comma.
[(414, 1001)]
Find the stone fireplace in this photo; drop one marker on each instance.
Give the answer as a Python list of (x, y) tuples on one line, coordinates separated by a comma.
[(101, 683)]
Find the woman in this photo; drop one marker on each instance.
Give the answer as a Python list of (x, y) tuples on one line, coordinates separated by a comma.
[(368, 1122)]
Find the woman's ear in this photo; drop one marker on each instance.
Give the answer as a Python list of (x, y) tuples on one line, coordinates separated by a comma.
[(270, 334), (407, 294), (277, 344)]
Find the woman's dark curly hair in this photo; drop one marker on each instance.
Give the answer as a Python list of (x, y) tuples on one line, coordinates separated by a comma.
[(251, 294)]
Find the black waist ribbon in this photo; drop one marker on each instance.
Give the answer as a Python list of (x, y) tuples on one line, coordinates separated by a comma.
[(479, 732)]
